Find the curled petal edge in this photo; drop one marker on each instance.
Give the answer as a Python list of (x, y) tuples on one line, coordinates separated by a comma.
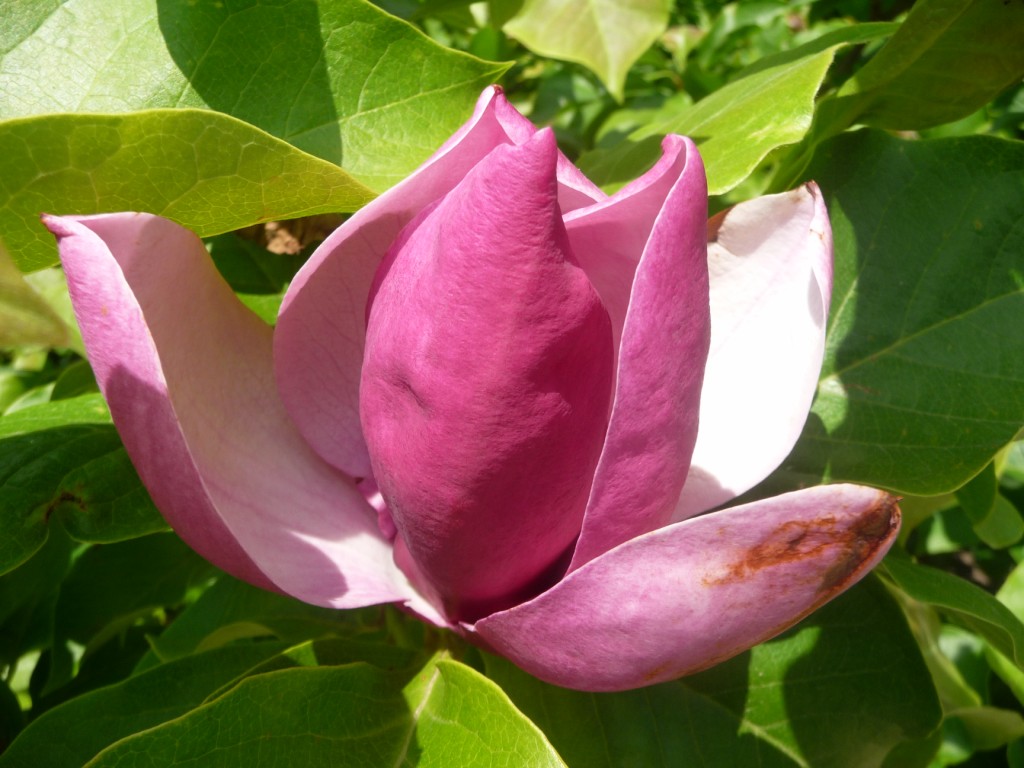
[(186, 371)]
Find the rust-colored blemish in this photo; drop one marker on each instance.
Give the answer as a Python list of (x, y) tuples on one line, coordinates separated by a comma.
[(799, 540), (655, 674), (872, 531)]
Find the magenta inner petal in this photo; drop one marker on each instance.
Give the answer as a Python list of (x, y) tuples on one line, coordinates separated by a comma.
[(320, 333), (486, 383), (660, 221)]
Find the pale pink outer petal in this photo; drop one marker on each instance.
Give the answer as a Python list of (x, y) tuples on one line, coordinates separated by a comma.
[(663, 345), (693, 594), (770, 263), (318, 344), (186, 370)]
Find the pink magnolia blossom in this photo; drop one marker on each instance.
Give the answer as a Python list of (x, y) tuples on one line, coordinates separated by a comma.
[(499, 398)]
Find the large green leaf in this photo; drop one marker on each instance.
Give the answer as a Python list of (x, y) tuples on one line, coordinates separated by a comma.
[(339, 79), (79, 473), (844, 688), (112, 588), (446, 715), (949, 58), (735, 127), (923, 379), (608, 37), (76, 731), (205, 170)]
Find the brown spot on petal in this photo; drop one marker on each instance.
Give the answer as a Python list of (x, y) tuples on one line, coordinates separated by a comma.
[(873, 530), (797, 540)]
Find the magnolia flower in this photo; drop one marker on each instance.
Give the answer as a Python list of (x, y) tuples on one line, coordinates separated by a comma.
[(501, 399)]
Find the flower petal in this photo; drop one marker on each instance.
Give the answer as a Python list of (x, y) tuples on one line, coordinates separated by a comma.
[(486, 383), (318, 343), (770, 262), (186, 370), (663, 345), (693, 594)]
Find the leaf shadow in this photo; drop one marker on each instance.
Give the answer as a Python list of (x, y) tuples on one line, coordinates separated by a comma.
[(861, 689), (232, 66)]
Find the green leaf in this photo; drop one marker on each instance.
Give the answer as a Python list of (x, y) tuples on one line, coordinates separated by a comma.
[(357, 714), (923, 380), (996, 521), (333, 652), (79, 474), (606, 37), (990, 727), (250, 268), (12, 719), (83, 727), (25, 318), (1011, 594), (948, 58), (339, 79), (207, 171), (843, 688), (735, 127), (74, 732), (969, 605), (110, 586), (232, 609), (28, 596), (52, 285), (851, 34)]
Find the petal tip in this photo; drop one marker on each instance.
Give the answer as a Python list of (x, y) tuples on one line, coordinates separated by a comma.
[(867, 541)]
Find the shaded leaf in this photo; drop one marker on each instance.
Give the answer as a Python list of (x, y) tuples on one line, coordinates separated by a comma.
[(79, 474), (232, 609), (922, 382), (28, 596), (76, 731), (111, 585)]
